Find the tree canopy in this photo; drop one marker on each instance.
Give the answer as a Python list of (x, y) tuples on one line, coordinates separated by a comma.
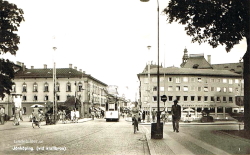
[(10, 19), (224, 22)]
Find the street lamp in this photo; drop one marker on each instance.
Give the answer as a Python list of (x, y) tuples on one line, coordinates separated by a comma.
[(157, 129)]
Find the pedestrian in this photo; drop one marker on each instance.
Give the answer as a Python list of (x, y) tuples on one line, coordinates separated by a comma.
[(143, 115), (153, 115), (2, 115), (35, 113), (176, 115)]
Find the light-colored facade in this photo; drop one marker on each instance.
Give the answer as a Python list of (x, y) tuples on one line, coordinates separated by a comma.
[(36, 86), (199, 89)]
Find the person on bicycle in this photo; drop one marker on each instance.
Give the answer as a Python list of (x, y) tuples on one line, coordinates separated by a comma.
[(135, 115), (35, 113)]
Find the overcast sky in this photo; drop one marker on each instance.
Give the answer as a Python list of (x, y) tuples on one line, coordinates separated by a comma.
[(106, 38)]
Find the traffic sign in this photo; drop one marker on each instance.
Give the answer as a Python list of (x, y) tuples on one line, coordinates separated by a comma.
[(163, 98)]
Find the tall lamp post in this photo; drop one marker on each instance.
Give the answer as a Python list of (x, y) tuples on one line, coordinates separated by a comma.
[(157, 128)]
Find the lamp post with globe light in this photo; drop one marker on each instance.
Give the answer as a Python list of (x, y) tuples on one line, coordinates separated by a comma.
[(157, 128)]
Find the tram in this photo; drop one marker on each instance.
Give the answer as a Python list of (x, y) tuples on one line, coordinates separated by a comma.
[(112, 111)]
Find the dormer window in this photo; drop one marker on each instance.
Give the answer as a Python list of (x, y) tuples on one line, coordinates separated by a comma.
[(79, 86)]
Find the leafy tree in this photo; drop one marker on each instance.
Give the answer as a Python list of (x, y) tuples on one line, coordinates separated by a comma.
[(10, 19), (217, 22)]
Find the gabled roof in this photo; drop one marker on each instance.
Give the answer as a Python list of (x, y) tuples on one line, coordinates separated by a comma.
[(196, 62)]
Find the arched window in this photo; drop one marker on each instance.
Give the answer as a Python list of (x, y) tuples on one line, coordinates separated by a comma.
[(35, 98), (68, 87), (46, 87), (35, 87), (24, 87)]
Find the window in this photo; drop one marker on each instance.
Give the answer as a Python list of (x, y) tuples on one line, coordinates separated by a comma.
[(170, 88), (154, 98), (199, 79), (178, 80), (80, 86), (57, 97), (46, 98), (218, 89), (24, 87), (35, 87), (230, 90), (170, 98), (170, 79), (192, 98), (178, 98), (224, 89), (236, 81), (46, 87), (185, 79), (230, 99), (199, 98), (218, 99), (35, 98), (230, 81), (68, 87), (155, 88), (57, 87), (212, 99), (161, 88), (211, 80), (218, 80), (224, 99), (185, 88), (205, 98), (199, 88), (13, 88), (224, 80), (212, 89), (24, 98), (177, 88), (185, 98), (205, 89)]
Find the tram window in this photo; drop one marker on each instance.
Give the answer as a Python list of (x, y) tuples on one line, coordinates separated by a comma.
[(115, 106)]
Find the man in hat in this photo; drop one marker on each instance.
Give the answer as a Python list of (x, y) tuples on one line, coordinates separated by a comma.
[(176, 115)]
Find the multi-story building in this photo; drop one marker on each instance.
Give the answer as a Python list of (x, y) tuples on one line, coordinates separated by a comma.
[(36, 86), (197, 85)]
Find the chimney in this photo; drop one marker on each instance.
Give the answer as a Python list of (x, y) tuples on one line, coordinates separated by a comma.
[(75, 68), (32, 67), (209, 59), (45, 66), (80, 70), (23, 67), (70, 65)]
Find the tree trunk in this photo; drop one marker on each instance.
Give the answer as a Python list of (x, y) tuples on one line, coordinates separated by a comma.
[(246, 76)]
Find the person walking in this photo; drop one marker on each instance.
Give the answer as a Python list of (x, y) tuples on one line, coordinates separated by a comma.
[(2, 115), (153, 115), (35, 113), (176, 115)]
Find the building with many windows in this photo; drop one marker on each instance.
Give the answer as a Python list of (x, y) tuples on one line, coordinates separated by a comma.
[(36, 86), (196, 84)]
